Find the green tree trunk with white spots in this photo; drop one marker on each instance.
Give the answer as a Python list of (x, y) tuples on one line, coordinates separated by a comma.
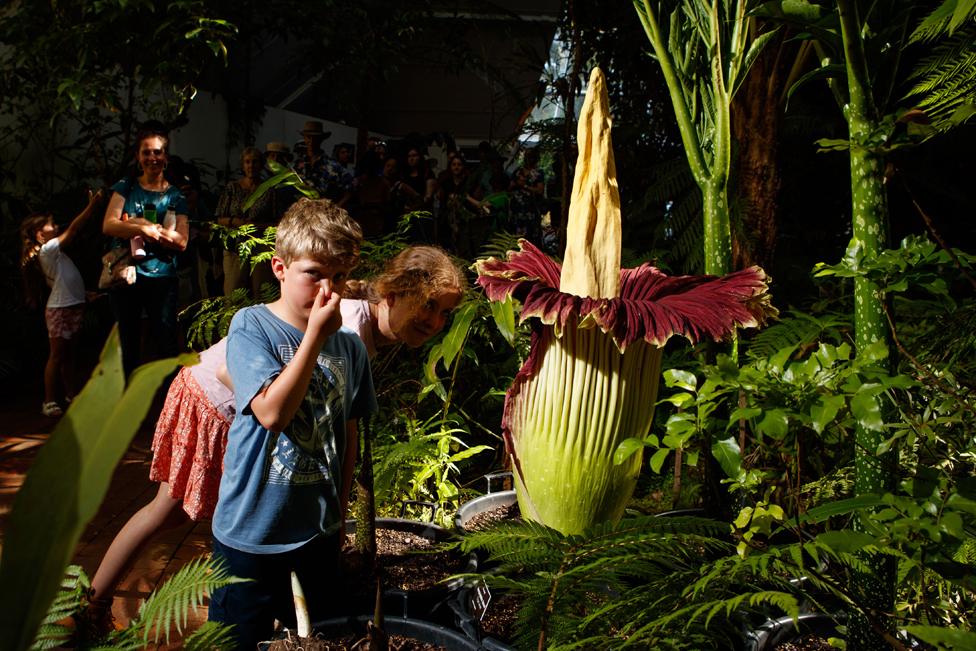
[(875, 586), (718, 233)]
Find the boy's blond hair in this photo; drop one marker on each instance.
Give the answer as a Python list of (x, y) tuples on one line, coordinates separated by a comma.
[(319, 230)]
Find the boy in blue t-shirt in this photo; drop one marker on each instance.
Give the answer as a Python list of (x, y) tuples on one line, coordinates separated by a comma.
[(300, 382)]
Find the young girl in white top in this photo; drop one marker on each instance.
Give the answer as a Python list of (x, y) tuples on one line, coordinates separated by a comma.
[(44, 263), (409, 302)]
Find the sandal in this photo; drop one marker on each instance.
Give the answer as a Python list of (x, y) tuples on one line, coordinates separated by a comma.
[(92, 625), (51, 410)]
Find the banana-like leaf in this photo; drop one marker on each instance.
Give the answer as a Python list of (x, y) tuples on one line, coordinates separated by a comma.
[(65, 487)]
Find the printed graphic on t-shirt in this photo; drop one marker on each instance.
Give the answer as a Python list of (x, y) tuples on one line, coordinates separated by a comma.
[(305, 453)]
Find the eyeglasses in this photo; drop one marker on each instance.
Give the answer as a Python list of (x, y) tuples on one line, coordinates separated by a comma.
[(151, 152)]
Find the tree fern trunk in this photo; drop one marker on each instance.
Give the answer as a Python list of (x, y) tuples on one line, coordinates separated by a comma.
[(875, 586)]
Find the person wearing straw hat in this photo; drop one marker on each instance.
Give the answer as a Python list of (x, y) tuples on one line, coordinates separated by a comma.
[(278, 152), (311, 163)]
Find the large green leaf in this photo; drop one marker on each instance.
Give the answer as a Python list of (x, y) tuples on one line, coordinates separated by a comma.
[(65, 487), (847, 540), (657, 459), (964, 11), (944, 638), (842, 507), (824, 410), (626, 449), (775, 424), (454, 339), (504, 313), (755, 48), (866, 408), (729, 456)]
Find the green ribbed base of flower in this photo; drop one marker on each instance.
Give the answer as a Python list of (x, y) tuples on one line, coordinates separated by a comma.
[(569, 419)]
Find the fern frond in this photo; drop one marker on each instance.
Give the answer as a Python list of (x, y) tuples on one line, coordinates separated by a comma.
[(499, 244), (391, 458), (946, 78), (211, 316), (51, 636), (940, 22), (668, 179), (796, 329), (71, 600), (525, 543), (683, 228), (170, 604), (210, 635)]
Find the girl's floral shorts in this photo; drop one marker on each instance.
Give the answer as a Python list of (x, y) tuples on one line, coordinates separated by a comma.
[(64, 322)]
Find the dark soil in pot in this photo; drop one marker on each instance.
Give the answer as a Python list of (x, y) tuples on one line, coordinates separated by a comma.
[(497, 623), (500, 617), (348, 642), (810, 642), (409, 561), (412, 569), (349, 634), (482, 512), (486, 519)]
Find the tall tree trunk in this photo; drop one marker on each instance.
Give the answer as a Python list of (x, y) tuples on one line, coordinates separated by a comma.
[(757, 116), (874, 586)]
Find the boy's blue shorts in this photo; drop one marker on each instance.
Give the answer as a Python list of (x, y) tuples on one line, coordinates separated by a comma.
[(252, 606)]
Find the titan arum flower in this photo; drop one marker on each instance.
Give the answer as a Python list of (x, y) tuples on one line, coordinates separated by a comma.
[(591, 377)]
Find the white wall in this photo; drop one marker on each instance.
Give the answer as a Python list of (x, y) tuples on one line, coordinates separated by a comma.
[(203, 139)]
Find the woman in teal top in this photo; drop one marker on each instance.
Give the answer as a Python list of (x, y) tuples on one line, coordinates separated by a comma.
[(156, 286)]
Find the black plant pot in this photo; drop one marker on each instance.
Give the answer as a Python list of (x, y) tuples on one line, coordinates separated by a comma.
[(428, 603), (679, 513), (778, 631), (415, 629)]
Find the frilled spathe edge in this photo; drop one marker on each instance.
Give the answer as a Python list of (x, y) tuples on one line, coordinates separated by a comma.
[(652, 305)]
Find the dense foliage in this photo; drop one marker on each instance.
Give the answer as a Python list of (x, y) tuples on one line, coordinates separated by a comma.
[(778, 422)]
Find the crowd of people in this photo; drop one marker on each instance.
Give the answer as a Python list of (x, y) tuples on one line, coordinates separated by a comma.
[(182, 260), (430, 174), (261, 436)]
